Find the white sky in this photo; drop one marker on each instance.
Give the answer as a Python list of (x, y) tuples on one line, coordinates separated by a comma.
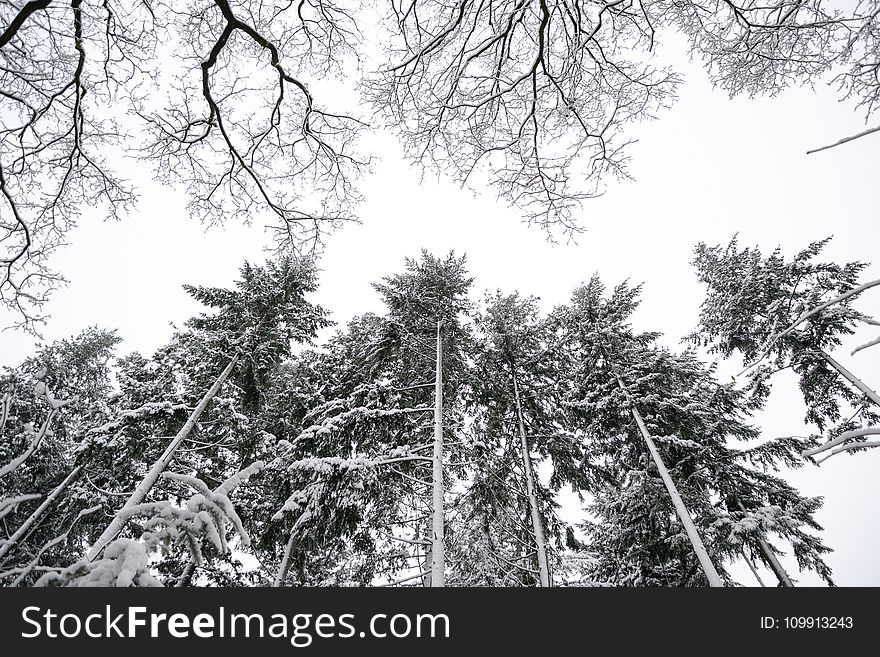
[(708, 168)]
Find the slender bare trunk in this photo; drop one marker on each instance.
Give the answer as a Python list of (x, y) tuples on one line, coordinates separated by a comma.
[(680, 509), (159, 466), (537, 524), (753, 569), (27, 524), (284, 567), (770, 556), (852, 378), (438, 556), (38, 438)]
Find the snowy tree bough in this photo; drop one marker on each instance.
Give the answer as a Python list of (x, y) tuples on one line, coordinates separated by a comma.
[(150, 479)]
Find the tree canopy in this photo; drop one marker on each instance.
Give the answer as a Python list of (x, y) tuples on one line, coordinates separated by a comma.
[(230, 102)]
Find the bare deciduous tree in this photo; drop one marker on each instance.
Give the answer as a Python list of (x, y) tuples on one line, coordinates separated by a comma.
[(211, 92), (537, 91), (534, 94), (540, 91)]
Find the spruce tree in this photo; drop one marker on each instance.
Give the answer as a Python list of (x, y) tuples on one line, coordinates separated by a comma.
[(693, 423), (372, 435), (252, 329), (780, 314)]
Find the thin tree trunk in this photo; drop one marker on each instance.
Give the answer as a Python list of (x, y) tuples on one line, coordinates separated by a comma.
[(683, 514), (27, 524), (852, 378), (753, 569), (424, 564), (537, 525), (770, 556), (426, 568), (438, 556), (284, 567), (159, 466), (186, 576)]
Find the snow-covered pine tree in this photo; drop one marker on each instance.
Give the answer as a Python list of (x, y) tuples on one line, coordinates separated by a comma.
[(323, 407), (227, 357), (376, 430), (514, 402), (780, 314), (40, 440), (690, 418)]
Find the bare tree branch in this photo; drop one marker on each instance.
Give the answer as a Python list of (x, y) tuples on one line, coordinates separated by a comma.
[(845, 140)]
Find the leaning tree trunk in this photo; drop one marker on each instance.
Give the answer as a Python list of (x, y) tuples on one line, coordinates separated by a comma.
[(186, 576), (159, 466), (770, 556), (680, 509), (438, 555), (852, 378), (753, 569), (537, 524), (12, 541)]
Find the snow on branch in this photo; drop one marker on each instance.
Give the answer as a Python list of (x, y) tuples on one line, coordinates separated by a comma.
[(9, 504), (204, 517), (763, 519), (5, 406), (850, 447), (41, 390), (124, 564), (326, 464), (864, 133), (335, 422), (871, 343), (773, 339), (61, 538), (837, 446)]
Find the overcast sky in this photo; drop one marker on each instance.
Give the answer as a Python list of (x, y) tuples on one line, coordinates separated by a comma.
[(706, 169)]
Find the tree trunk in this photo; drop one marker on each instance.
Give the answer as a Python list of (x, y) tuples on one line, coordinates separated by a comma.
[(159, 466), (852, 378), (187, 574), (537, 524), (27, 524), (770, 556), (683, 514), (426, 568), (438, 556), (38, 438), (285, 560), (753, 569)]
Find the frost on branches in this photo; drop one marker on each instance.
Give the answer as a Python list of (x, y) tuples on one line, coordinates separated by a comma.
[(780, 314), (203, 520)]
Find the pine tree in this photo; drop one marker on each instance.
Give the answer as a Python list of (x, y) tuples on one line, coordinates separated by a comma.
[(50, 401), (514, 401), (624, 390), (252, 329), (780, 314), (369, 433)]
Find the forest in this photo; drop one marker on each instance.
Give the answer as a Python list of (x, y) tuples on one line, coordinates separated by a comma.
[(438, 440), (424, 446)]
